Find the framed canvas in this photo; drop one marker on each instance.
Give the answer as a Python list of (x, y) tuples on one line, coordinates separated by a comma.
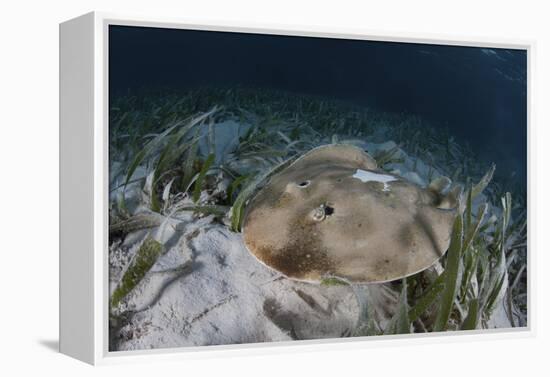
[(235, 188)]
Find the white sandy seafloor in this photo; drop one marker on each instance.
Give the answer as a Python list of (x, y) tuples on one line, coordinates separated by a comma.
[(207, 289)]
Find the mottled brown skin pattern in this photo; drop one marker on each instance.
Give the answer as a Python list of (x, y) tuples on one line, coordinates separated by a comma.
[(315, 219), (301, 255)]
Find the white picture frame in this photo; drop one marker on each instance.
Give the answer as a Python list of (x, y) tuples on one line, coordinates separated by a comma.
[(84, 191)]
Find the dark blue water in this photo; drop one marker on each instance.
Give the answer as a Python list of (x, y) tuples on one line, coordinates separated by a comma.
[(479, 94)]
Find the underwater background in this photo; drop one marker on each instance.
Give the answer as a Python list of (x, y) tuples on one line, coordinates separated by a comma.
[(199, 121), (479, 94)]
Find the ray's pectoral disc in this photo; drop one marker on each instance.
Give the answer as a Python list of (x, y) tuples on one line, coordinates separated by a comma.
[(332, 212)]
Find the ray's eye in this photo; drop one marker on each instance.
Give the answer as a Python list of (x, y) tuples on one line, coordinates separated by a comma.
[(322, 212), (304, 184)]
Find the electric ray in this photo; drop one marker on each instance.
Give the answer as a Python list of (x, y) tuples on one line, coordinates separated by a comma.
[(332, 212)]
